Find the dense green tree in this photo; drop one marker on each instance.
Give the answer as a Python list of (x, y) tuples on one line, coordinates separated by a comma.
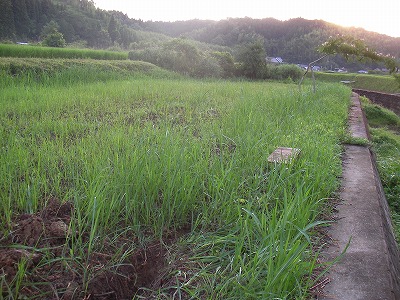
[(87, 6), (51, 36), (32, 8), (68, 30), (47, 11), (113, 30), (351, 48), (102, 39), (54, 39), (21, 19), (7, 30), (207, 66), (99, 35), (185, 56), (251, 57), (127, 36), (49, 28), (226, 62)]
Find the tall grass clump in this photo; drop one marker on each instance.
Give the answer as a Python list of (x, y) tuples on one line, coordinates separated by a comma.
[(152, 156), (27, 51)]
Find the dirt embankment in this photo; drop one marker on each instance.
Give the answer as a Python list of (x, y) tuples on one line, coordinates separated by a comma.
[(390, 101)]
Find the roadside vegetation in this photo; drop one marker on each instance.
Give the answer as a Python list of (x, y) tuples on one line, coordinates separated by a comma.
[(116, 187), (385, 130)]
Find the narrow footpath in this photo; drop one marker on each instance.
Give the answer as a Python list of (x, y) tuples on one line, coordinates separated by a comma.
[(370, 268)]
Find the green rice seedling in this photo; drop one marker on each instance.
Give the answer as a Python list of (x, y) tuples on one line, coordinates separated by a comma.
[(154, 157), (13, 289), (9, 50), (25, 72)]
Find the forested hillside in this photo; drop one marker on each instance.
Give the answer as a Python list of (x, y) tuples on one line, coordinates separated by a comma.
[(82, 24), (78, 20), (294, 40)]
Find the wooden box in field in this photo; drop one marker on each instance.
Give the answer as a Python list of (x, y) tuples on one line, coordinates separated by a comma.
[(283, 155)]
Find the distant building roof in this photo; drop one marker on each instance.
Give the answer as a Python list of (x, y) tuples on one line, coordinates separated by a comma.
[(275, 60)]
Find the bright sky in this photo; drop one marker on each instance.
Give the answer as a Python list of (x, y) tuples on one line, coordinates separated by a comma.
[(381, 16)]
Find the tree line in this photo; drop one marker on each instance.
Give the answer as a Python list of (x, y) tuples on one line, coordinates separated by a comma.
[(79, 21), (184, 56)]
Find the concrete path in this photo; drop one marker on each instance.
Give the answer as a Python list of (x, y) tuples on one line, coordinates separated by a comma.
[(369, 269)]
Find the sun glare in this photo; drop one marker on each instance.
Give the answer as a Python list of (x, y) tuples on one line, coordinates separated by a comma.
[(382, 18)]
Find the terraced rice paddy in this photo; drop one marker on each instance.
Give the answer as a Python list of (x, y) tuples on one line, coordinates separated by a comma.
[(161, 188)]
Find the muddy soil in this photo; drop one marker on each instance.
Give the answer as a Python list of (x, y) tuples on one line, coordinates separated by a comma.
[(42, 243)]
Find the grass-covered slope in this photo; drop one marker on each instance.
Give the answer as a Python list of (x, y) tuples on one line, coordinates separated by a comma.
[(379, 83)]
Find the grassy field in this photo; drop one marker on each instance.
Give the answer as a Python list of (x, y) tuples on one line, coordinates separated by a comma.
[(162, 186), (385, 131), (380, 83), (17, 72), (27, 51)]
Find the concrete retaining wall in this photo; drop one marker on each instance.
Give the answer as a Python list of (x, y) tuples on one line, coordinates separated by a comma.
[(389, 101), (392, 248)]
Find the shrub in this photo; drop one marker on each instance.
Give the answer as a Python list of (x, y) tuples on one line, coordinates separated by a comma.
[(54, 39), (226, 62), (251, 57), (283, 72), (208, 67)]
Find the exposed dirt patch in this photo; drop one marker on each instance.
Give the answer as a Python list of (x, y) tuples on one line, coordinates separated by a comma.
[(140, 270), (40, 243), (46, 228)]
